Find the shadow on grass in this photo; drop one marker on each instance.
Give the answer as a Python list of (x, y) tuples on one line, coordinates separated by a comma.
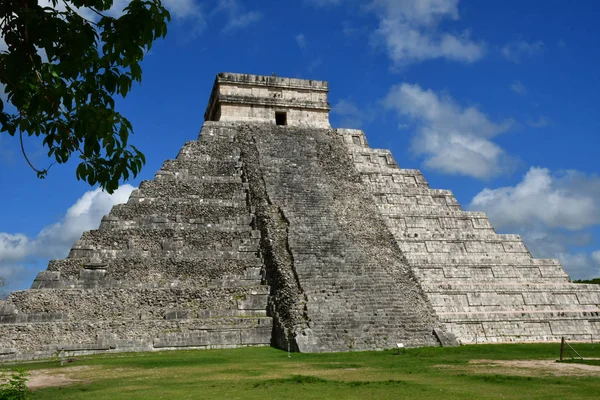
[(309, 379)]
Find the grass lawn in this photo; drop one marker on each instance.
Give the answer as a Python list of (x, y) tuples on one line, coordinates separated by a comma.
[(468, 372)]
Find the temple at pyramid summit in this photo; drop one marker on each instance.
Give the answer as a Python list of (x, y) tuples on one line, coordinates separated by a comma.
[(275, 229)]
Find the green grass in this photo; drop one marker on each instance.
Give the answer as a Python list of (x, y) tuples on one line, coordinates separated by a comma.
[(594, 281), (267, 373)]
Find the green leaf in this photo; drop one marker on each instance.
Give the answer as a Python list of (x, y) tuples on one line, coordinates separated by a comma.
[(67, 99)]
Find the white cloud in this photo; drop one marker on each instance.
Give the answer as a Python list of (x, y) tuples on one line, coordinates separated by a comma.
[(314, 64), (3, 45), (189, 14), (301, 40), (552, 213), (518, 88), (570, 200), (552, 244), (410, 31), (517, 50), (60, 6), (184, 9), (55, 241), (540, 123), (13, 247), (351, 116), (237, 16), (580, 265), (452, 139), (596, 257), (190, 9)]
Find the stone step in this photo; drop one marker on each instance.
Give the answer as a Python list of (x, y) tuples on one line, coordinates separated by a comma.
[(133, 302), (515, 286), (378, 178), (241, 252), (457, 247), (221, 131), (449, 236), (193, 268), (425, 211), (531, 327), (163, 188), (399, 229), (203, 168), (166, 239), (560, 317), (429, 260), (524, 308), (179, 223), (209, 150), (186, 210), (494, 273), (427, 200), (137, 198), (182, 176), (470, 300), (102, 278), (43, 340)]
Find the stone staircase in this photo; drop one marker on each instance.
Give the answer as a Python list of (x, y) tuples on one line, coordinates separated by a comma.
[(358, 290), (484, 287)]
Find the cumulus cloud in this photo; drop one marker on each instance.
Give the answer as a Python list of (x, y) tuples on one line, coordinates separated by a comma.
[(301, 41), (553, 212), (518, 88), (518, 50), (410, 30), (570, 200), (55, 240), (237, 16), (564, 247), (452, 139)]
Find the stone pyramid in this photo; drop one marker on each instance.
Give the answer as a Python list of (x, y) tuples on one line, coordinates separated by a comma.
[(275, 229)]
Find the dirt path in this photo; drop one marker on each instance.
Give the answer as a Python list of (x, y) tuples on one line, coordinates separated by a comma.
[(538, 367), (42, 378)]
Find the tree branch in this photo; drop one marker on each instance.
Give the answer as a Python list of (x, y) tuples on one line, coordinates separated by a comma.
[(25, 154)]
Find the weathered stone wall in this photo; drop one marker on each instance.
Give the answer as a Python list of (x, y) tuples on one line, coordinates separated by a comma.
[(358, 292), (255, 99), (177, 266), (484, 286), (297, 236), (296, 116)]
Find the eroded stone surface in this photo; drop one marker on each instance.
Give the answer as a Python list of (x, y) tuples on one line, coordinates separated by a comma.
[(484, 287), (298, 236)]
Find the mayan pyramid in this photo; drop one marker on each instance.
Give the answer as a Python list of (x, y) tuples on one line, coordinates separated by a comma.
[(275, 229)]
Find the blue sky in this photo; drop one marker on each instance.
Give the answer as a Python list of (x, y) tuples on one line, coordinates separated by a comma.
[(496, 101)]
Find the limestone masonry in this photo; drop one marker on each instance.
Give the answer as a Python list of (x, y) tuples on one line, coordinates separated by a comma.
[(275, 229)]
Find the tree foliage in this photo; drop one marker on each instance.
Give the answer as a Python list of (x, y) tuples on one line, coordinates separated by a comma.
[(15, 387), (61, 69)]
